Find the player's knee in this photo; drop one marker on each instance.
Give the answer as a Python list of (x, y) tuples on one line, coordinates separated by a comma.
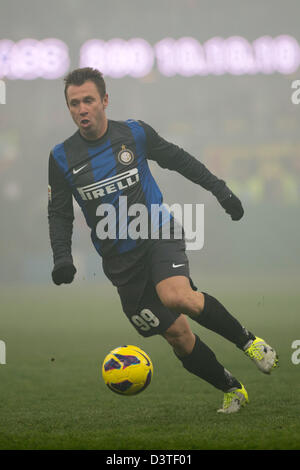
[(174, 300), (184, 301), (180, 336)]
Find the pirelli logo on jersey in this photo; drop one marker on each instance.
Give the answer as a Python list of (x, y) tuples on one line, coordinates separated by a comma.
[(109, 185)]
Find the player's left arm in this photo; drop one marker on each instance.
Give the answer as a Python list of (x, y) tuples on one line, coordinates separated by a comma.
[(169, 155)]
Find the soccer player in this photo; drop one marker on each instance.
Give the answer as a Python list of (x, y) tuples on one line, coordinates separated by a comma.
[(104, 166)]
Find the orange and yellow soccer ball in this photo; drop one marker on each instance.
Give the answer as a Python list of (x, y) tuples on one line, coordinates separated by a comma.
[(127, 370)]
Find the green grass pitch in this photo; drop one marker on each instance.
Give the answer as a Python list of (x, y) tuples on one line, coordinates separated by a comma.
[(52, 395)]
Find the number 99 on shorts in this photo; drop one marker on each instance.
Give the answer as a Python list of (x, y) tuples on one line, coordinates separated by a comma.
[(145, 320)]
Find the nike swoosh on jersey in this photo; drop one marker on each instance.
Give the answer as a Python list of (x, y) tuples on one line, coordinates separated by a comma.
[(78, 169), (177, 265)]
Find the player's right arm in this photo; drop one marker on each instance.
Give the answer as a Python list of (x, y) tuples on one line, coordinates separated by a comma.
[(60, 217)]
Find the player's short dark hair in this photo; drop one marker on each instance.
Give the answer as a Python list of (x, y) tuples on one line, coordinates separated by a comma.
[(80, 76)]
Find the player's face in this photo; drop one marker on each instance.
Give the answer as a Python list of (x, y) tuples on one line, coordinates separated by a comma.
[(87, 109)]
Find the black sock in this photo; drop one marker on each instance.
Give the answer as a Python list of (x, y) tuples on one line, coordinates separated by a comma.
[(215, 317), (203, 363)]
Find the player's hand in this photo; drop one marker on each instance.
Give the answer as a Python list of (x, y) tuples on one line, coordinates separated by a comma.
[(63, 273), (233, 207)]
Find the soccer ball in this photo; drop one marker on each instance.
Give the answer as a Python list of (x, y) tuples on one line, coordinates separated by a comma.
[(127, 370)]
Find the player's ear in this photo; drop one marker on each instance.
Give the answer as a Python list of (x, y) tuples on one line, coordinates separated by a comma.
[(105, 100)]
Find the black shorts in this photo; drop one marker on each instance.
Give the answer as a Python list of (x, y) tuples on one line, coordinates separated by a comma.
[(158, 260)]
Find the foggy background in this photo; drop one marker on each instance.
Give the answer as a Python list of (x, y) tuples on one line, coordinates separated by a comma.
[(245, 129)]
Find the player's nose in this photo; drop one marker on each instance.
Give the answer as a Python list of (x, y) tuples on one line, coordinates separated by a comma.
[(82, 110)]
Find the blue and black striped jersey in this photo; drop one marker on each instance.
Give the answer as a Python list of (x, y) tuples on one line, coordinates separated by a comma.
[(111, 172)]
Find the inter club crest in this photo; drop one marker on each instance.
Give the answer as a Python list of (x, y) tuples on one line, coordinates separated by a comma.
[(125, 156)]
